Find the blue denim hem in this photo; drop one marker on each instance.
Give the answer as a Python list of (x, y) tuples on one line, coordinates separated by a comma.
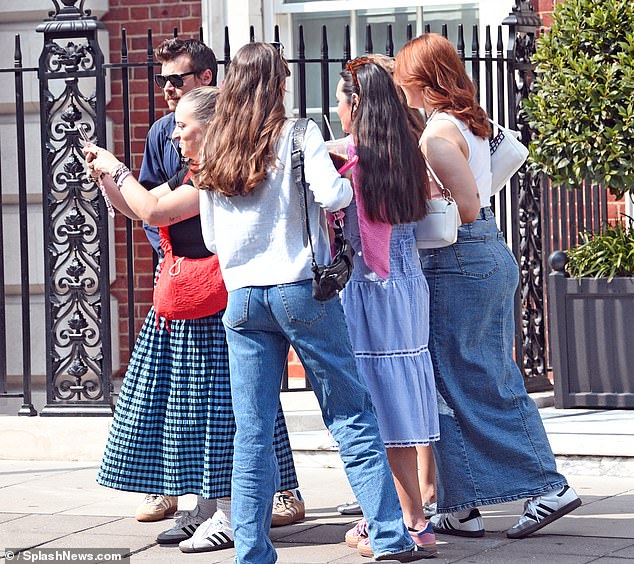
[(410, 547), (505, 499)]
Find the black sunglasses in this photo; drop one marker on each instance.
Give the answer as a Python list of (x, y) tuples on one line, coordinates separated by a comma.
[(175, 79)]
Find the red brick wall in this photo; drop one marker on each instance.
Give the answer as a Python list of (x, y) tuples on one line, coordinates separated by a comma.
[(545, 9), (137, 16)]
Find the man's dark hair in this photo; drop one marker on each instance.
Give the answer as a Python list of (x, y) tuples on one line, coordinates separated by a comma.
[(202, 57)]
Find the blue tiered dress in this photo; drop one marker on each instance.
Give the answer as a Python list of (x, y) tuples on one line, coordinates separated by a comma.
[(388, 321)]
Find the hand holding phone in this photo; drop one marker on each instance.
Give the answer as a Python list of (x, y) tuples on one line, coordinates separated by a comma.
[(89, 157), (85, 140)]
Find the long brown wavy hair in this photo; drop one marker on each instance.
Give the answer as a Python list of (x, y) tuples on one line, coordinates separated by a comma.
[(239, 146), (393, 179), (431, 64), (414, 117)]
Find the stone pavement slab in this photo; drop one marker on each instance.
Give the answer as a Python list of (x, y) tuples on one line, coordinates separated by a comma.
[(52, 504)]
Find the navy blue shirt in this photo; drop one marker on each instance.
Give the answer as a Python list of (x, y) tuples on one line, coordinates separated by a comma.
[(161, 161)]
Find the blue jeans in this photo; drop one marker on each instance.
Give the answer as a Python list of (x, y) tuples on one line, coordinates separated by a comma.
[(493, 447), (260, 323)]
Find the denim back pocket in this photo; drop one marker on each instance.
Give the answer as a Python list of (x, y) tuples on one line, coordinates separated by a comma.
[(476, 258), (507, 249), (237, 311), (299, 304)]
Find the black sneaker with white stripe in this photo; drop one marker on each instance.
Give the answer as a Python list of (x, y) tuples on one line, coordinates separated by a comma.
[(452, 524), (214, 534), (184, 527), (544, 509)]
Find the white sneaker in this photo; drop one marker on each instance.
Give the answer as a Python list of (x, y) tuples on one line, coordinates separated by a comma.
[(214, 534), (544, 509), (450, 524), (184, 527)]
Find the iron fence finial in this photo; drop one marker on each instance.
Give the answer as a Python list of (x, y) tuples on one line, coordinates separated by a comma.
[(70, 11)]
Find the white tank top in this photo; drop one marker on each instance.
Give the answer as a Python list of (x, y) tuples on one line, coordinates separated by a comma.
[(479, 160)]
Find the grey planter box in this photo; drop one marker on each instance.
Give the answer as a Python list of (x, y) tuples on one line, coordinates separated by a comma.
[(592, 352)]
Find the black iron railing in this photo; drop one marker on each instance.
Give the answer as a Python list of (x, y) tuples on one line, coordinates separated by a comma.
[(76, 260)]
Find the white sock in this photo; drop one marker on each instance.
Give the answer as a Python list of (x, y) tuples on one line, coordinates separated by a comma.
[(224, 506), (206, 507)]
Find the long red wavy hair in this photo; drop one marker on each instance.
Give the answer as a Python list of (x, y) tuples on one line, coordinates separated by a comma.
[(431, 64)]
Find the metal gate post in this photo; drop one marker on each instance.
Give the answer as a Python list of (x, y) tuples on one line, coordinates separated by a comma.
[(530, 339), (78, 345)]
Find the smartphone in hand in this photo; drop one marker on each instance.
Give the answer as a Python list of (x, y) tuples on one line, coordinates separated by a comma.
[(349, 164), (85, 140)]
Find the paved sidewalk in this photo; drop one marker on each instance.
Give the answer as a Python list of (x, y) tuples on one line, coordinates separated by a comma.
[(52, 504)]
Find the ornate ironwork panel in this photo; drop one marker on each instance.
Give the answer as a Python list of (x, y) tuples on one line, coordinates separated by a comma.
[(530, 340), (72, 96)]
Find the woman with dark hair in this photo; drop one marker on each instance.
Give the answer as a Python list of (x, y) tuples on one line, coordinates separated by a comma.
[(173, 426), (493, 446), (252, 217), (425, 456), (386, 302)]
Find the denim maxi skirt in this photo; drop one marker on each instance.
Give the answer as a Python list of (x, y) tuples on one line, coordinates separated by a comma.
[(493, 447), (173, 427)]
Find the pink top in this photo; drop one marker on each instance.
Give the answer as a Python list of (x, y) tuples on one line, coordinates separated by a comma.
[(375, 235)]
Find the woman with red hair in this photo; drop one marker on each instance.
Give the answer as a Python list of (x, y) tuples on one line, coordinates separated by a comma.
[(493, 447)]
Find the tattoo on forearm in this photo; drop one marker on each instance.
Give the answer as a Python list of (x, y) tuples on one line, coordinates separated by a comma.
[(175, 219)]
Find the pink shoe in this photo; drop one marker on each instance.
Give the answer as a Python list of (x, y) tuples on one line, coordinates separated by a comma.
[(364, 548), (425, 538), (425, 541), (357, 533)]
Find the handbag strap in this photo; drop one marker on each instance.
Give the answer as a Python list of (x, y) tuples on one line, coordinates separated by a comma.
[(446, 193), (297, 165)]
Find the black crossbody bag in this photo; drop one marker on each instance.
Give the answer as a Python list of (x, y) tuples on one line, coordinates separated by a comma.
[(330, 278)]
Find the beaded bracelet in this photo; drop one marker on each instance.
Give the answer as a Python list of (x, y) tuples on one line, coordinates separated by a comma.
[(122, 177), (119, 174)]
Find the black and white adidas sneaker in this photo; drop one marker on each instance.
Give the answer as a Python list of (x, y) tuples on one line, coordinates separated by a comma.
[(214, 534), (544, 509), (184, 527), (461, 524)]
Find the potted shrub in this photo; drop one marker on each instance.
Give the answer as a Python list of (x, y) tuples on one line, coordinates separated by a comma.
[(591, 306), (581, 109)]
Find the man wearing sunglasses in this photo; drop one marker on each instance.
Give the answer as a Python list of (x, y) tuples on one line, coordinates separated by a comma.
[(185, 64)]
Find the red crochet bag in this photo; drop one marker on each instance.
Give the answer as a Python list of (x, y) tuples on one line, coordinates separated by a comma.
[(187, 288)]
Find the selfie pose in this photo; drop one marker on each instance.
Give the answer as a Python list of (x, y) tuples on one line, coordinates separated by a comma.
[(173, 430)]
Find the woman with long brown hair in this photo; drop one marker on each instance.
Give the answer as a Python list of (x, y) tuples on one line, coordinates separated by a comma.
[(173, 426), (493, 447), (252, 216)]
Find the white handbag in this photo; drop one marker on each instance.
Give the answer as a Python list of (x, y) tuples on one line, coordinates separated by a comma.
[(439, 228), (508, 154)]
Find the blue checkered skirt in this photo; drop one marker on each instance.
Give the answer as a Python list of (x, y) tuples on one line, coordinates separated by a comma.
[(173, 427)]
